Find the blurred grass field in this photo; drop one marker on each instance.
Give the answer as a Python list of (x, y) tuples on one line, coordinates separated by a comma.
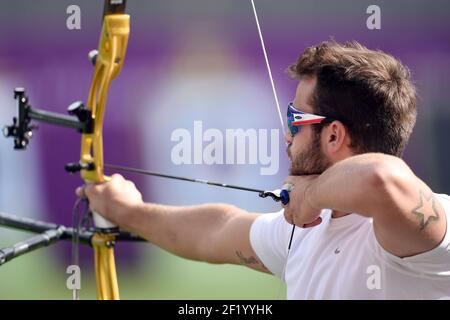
[(158, 275)]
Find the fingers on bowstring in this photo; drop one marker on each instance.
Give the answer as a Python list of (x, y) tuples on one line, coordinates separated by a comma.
[(313, 224)]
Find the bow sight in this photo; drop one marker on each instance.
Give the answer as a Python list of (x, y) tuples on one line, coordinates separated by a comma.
[(22, 129)]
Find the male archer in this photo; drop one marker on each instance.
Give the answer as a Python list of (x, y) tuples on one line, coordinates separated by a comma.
[(360, 211)]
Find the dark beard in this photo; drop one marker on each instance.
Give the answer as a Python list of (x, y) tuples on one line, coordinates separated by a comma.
[(311, 161)]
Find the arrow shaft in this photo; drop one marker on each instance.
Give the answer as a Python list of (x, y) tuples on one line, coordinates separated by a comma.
[(168, 176)]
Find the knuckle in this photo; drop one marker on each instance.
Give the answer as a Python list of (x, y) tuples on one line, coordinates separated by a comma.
[(117, 177)]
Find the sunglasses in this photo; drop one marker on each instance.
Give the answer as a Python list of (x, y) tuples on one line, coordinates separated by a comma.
[(297, 118)]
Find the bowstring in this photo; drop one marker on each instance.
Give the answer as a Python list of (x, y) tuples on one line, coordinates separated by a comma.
[(269, 70)]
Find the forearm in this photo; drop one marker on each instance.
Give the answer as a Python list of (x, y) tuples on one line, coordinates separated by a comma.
[(185, 231), (357, 184)]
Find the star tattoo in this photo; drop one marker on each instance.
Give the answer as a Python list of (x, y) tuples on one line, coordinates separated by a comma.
[(427, 210)]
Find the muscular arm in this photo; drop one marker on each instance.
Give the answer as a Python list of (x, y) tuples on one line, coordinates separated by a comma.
[(408, 218), (215, 233)]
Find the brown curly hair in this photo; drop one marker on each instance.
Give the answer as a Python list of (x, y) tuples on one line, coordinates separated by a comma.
[(369, 91)]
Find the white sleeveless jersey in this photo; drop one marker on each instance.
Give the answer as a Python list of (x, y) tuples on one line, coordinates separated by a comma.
[(342, 259)]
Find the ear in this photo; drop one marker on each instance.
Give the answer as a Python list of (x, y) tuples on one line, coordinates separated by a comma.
[(336, 139)]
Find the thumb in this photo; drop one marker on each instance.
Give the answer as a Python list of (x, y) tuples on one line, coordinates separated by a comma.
[(84, 191), (80, 192)]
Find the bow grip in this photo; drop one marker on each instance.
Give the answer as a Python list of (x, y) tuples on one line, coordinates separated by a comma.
[(100, 222)]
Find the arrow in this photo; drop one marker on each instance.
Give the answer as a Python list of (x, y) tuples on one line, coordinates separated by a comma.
[(277, 195)]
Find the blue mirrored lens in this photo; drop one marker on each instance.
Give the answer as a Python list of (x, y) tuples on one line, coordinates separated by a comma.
[(290, 118)]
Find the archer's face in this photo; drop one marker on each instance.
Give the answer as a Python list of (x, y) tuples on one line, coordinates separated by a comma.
[(305, 148)]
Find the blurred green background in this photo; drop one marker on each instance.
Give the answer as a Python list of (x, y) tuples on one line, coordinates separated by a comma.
[(159, 275)]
